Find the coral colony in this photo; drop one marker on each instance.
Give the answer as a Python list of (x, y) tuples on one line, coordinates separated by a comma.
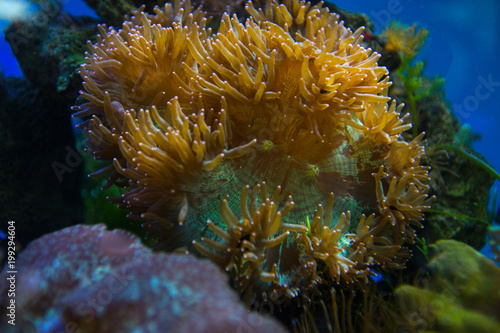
[(269, 146)]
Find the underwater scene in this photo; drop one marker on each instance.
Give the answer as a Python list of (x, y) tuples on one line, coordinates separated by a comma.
[(249, 166)]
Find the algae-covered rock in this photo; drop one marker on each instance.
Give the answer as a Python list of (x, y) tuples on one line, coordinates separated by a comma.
[(461, 292), (461, 187), (112, 11), (50, 46), (494, 234)]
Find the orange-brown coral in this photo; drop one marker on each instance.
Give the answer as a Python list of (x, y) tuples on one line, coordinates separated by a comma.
[(290, 99)]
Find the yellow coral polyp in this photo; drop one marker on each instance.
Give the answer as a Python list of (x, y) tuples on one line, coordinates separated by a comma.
[(190, 121), (404, 39)]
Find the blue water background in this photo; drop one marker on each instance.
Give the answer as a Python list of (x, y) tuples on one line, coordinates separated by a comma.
[(463, 47)]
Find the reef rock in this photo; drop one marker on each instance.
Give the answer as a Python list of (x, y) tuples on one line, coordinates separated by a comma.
[(458, 297), (89, 279)]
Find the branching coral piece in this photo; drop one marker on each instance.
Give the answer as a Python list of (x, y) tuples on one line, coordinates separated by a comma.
[(404, 39)]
